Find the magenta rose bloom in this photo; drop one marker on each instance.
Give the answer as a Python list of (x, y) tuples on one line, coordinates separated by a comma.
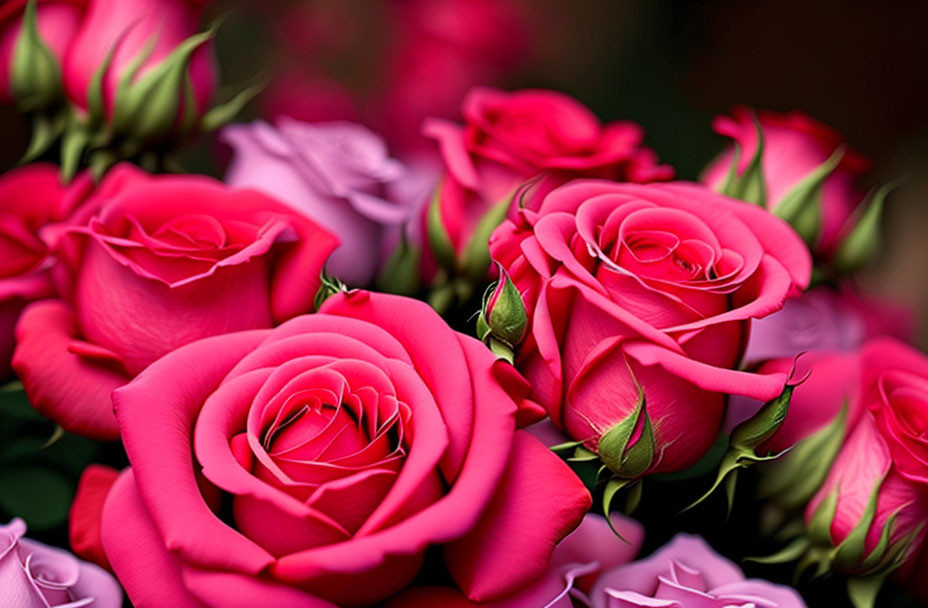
[(33, 575), (129, 27), (152, 263), (795, 144), (686, 572), (58, 22), (509, 138), (343, 444), (31, 197), (337, 174), (885, 456), (576, 562), (650, 286)]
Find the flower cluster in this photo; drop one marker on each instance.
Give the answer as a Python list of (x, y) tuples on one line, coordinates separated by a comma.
[(348, 374)]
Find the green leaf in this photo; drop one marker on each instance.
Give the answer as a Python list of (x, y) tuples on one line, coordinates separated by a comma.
[(863, 242), (750, 186), (39, 495), (794, 479), (801, 207)]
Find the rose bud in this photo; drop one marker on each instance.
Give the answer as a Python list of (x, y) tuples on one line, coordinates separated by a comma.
[(638, 299), (34, 37), (141, 76), (338, 174), (868, 517), (507, 139), (687, 572), (349, 445), (502, 321), (802, 171), (31, 197), (33, 575), (152, 263)]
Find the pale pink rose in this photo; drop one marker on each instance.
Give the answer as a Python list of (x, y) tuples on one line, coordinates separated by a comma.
[(33, 575), (686, 572), (338, 174)]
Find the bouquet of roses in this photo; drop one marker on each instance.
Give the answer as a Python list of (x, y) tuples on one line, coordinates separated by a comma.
[(517, 365)]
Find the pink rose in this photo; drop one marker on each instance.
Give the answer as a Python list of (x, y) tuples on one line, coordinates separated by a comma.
[(129, 27), (337, 174), (58, 21), (154, 263), (649, 286), (33, 575), (795, 144), (343, 444), (884, 457), (686, 572), (509, 138), (30, 197), (576, 562)]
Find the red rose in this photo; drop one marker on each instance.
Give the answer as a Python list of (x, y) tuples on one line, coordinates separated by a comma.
[(343, 444), (509, 138), (154, 263), (649, 286)]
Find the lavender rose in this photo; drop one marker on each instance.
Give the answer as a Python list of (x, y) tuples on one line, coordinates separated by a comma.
[(33, 575), (686, 572), (338, 174)]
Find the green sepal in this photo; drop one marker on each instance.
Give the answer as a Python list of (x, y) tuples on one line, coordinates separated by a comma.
[(100, 162), (850, 551), (400, 275), (95, 103), (483, 328), (765, 423), (750, 186), (149, 108), (634, 497), (439, 241), (794, 479), (501, 349), (819, 527), (225, 113), (801, 207), (567, 446), (863, 241), (613, 447), (743, 442), (505, 314), (329, 287), (475, 260), (863, 590), (582, 454), (46, 130), (612, 488), (73, 144), (35, 75), (791, 552)]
